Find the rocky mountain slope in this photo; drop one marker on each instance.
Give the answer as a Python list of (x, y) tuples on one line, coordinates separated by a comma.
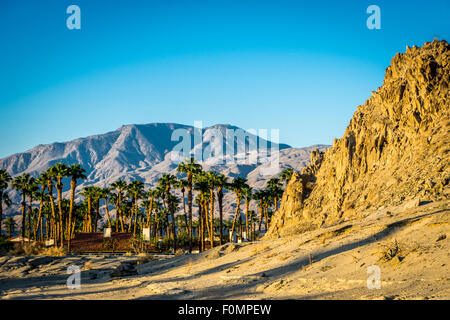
[(396, 148), (145, 152)]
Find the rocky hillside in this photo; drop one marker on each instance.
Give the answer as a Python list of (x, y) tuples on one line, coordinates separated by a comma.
[(395, 149)]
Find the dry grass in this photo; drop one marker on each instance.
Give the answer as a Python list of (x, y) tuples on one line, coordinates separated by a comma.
[(52, 251), (144, 258), (35, 250)]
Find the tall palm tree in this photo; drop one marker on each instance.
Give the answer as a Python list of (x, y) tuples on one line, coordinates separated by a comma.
[(5, 179), (237, 185), (96, 196), (75, 172), (136, 189), (173, 206), (166, 182), (190, 168), (10, 225), (202, 186), (153, 195), (60, 171), (51, 175), (32, 189), (248, 194), (200, 221), (42, 182), (212, 178), (274, 187), (120, 186), (105, 194), (222, 182), (88, 193), (260, 196), (20, 184), (182, 185)]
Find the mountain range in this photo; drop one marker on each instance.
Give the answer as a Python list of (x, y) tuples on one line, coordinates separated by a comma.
[(146, 151)]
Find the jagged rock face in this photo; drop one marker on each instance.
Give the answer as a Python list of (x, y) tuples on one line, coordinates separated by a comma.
[(396, 148)]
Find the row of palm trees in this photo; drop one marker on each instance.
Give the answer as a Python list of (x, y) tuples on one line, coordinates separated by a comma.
[(137, 208)]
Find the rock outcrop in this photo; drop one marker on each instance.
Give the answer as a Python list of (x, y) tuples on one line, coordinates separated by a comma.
[(396, 148)]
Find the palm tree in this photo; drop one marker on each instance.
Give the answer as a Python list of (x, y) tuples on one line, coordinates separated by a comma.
[(5, 179), (32, 189), (166, 182), (60, 171), (173, 206), (10, 225), (42, 182), (221, 182), (275, 190), (153, 195), (247, 192), (286, 175), (120, 186), (96, 196), (50, 174), (237, 185), (136, 189), (212, 179), (20, 184), (105, 194), (182, 185), (88, 193), (75, 172), (200, 225), (202, 185), (191, 169)]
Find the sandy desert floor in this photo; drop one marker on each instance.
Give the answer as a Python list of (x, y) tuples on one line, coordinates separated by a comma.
[(409, 244)]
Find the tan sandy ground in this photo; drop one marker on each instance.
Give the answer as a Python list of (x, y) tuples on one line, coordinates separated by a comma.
[(329, 263)]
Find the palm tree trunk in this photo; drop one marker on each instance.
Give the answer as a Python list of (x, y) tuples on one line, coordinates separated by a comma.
[(135, 217), (236, 213), (107, 212), (23, 216), (61, 233), (190, 209), (200, 231), (73, 185), (206, 217), (212, 217), (30, 212), (246, 217), (149, 212), (39, 219), (89, 218), (260, 215)]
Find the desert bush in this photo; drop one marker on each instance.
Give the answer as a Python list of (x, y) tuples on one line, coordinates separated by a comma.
[(52, 251), (391, 251)]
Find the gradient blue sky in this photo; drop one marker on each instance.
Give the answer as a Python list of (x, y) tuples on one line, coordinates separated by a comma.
[(300, 66)]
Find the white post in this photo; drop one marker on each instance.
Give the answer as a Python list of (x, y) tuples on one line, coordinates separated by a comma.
[(146, 234), (107, 233)]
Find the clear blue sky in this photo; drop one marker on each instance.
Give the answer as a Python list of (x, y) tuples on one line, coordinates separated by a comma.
[(300, 66)]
